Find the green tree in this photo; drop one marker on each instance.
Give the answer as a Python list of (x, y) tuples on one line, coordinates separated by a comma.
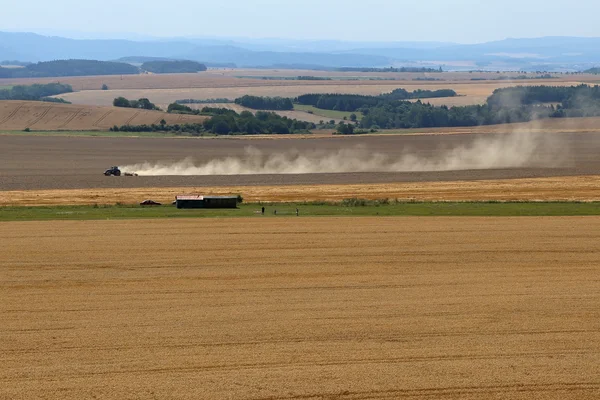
[(121, 102)]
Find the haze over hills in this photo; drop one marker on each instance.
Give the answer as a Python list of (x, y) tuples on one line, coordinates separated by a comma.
[(547, 53)]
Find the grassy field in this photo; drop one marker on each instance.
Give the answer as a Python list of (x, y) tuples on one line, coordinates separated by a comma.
[(280, 210), (331, 114), (304, 308)]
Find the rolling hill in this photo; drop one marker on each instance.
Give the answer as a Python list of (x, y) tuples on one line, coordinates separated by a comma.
[(40, 116)]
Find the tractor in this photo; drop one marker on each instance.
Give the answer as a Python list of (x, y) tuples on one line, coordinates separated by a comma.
[(113, 171)]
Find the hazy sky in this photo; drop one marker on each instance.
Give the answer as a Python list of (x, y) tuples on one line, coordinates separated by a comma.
[(465, 21)]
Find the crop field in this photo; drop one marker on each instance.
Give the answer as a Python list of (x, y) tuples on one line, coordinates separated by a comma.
[(228, 78), (18, 115), (475, 92), (337, 308), (561, 188)]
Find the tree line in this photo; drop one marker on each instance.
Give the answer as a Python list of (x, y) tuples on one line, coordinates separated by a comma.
[(142, 103), (391, 69), (265, 103), (226, 122), (35, 92), (69, 68), (353, 102), (509, 105)]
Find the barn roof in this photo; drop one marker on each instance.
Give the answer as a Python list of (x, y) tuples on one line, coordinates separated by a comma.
[(200, 198)]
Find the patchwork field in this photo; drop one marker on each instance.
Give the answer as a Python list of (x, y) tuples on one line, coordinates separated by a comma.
[(472, 92), (337, 308), (18, 115)]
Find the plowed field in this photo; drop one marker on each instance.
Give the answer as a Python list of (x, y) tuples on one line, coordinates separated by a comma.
[(35, 115), (309, 308), (38, 162)]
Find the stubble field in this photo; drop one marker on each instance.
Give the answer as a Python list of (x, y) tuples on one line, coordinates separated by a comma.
[(35, 115), (475, 92), (309, 308)]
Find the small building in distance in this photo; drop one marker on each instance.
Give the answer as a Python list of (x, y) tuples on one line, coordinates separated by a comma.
[(190, 201)]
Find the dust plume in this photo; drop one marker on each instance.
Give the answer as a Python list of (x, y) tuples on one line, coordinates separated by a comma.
[(498, 152)]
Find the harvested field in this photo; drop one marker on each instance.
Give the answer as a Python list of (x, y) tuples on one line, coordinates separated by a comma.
[(31, 162), (35, 115), (569, 188), (228, 78), (344, 308), (471, 92)]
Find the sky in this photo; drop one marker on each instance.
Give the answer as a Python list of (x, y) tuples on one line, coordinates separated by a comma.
[(460, 21)]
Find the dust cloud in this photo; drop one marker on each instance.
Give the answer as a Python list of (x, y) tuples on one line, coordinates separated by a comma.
[(514, 150)]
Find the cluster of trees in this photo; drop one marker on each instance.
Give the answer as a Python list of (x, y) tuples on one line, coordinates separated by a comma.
[(193, 129), (229, 122), (265, 103), (143, 103), (35, 92), (403, 94), (15, 62), (207, 101), (173, 67), (179, 109), (510, 105), (516, 96), (353, 102), (391, 69), (313, 78), (69, 68)]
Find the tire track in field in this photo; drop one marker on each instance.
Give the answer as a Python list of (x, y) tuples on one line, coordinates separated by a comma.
[(12, 114), (442, 392), (99, 120), (71, 118), (46, 111), (132, 117)]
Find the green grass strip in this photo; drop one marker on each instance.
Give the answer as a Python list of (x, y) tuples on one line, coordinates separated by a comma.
[(492, 209)]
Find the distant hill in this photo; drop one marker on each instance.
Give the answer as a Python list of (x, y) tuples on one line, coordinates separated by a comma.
[(139, 60), (69, 68), (543, 54), (595, 70), (173, 67)]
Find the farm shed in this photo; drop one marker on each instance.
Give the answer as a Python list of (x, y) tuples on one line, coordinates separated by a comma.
[(206, 201)]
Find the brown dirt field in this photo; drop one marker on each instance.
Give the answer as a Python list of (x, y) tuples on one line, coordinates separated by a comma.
[(32, 162), (322, 308), (570, 188), (18, 115)]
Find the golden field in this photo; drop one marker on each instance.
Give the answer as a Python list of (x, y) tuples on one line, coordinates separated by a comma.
[(309, 308), (570, 188), (36, 115), (475, 92)]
